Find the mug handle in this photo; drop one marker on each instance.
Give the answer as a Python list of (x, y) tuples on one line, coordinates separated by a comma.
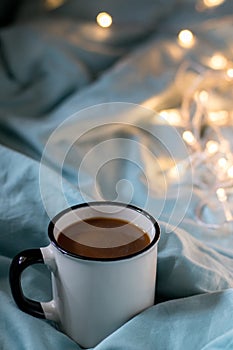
[(20, 262)]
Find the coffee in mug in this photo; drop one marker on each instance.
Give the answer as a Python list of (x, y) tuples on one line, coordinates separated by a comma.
[(103, 238)]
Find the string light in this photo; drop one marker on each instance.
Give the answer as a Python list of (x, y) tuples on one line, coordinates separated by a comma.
[(104, 19), (174, 172), (218, 117), (213, 3), (221, 194), (53, 4), (218, 61), (189, 138), (230, 172), (212, 147), (172, 116), (203, 5), (230, 73), (222, 197), (186, 38), (204, 113), (203, 96), (222, 163)]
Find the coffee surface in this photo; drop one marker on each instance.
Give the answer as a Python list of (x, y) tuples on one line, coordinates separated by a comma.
[(103, 238)]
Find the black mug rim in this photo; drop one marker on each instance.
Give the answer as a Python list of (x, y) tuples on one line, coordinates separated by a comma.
[(96, 203)]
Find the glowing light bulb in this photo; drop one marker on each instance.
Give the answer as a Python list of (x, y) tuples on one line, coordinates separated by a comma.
[(218, 61), (230, 172), (52, 4), (230, 73), (213, 3), (203, 96), (189, 138), (222, 163), (186, 38), (222, 197), (221, 194), (212, 147), (219, 117), (104, 20), (172, 116), (174, 172)]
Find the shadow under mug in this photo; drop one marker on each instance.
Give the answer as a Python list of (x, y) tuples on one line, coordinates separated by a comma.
[(92, 297)]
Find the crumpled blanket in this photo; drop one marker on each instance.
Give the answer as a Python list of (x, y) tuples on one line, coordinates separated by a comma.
[(56, 81)]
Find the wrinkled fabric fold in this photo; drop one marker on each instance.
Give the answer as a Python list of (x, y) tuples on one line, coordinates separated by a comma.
[(53, 67)]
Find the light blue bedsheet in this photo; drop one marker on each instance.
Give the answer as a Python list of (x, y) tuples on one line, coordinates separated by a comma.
[(45, 77)]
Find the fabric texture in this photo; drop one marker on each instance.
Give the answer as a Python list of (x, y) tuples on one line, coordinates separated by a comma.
[(52, 65)]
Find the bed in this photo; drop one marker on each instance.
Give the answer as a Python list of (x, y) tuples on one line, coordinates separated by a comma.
[(71, 94)]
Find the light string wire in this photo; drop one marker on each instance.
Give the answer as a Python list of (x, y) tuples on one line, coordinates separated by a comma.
[(207, 154)]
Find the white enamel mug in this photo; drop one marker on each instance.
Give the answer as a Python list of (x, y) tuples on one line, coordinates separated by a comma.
[(91, 297)]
